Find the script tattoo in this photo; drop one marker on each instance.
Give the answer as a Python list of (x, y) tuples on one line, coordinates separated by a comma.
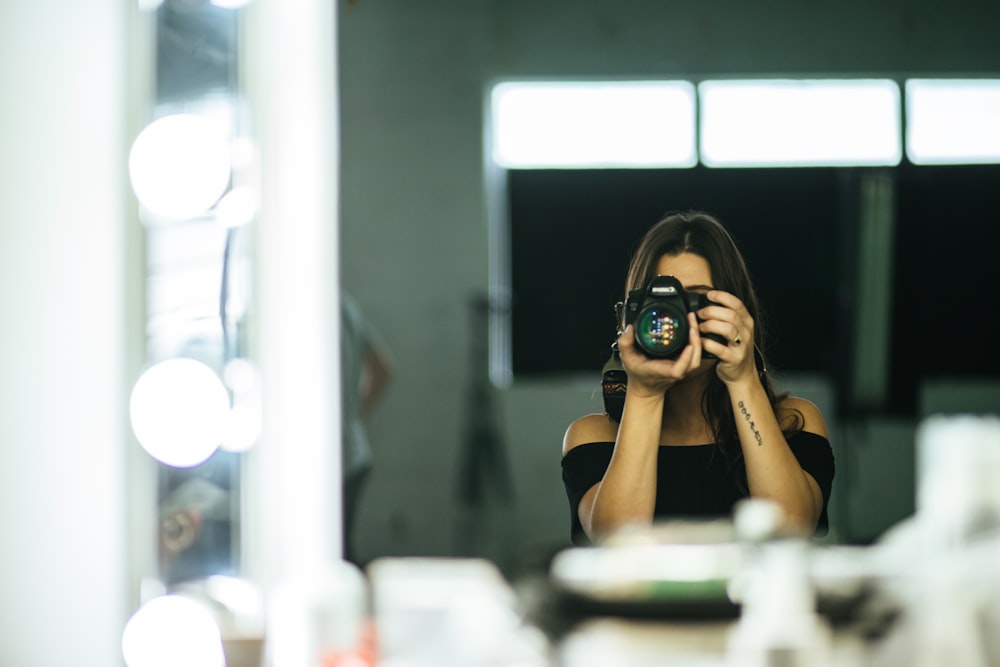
[(753, 427)]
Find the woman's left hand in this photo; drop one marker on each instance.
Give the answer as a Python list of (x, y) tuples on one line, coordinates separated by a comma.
[(730, 321)]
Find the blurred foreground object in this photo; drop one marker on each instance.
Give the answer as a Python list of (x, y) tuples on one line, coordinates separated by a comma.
[(947, 585), (450, 613)]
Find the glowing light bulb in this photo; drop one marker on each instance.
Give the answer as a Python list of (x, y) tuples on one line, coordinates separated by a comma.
[(241, 375), (238, 207), (172, 630), (179, 166), (245, 419), (180, 412), (244, 428)]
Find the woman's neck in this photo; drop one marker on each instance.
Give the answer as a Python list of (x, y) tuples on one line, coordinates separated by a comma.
[(684, 420)]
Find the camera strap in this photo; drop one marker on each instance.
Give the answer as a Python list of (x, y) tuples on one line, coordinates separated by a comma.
[(613, 384)]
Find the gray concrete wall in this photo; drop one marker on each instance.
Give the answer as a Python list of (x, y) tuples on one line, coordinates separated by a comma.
[(414, 236)]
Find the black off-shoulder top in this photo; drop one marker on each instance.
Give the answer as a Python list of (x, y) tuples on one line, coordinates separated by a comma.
[(695, 482)]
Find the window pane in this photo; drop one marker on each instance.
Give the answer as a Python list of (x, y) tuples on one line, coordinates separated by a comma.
[(592, 125), (790, 123), (952, 121)]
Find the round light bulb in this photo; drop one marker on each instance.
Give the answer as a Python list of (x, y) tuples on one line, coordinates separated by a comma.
[(180, 412), (172, 630), (238, 207), (179, 166)]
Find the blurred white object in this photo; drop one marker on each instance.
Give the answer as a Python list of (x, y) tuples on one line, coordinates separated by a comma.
[(958, 465), (945, 557), (238, 609), (449, 612), (604, 642), (318, 618), (755, 519), (779, 623), (958, 523), (172, 630)]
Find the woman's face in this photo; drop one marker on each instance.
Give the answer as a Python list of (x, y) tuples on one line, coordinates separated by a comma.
[(692, 270)]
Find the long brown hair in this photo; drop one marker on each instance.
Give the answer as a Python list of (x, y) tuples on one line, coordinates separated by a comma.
[(700, 233)]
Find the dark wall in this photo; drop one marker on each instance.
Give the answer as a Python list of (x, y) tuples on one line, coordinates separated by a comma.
[(573, 232), (946, 306)]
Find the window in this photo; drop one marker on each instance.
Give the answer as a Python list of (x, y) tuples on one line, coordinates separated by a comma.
[(593, 125), (799, 123), (953, 121)]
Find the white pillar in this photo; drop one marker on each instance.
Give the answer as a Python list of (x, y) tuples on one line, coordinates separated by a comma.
[(292, 522), (65, 347)]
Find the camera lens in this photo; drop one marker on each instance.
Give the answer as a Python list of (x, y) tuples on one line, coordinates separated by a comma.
[(659, 332)]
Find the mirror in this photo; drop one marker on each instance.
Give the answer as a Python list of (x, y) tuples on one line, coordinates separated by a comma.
[(185, 168), (420, 239), (424, 239)]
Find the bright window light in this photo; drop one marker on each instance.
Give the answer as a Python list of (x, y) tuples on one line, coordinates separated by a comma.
[(953, 121), (797, 123), (594, 125)]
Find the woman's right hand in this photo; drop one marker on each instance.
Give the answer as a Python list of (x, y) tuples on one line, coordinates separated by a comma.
[(652, 377)]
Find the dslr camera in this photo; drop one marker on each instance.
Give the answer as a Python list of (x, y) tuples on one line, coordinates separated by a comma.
[(658, 312)]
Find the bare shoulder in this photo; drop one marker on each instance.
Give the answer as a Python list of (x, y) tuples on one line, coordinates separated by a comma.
[(590, 428), (803, 413)]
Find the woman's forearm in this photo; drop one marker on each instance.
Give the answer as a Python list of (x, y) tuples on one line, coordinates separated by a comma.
[(773, 472), (627, 493)]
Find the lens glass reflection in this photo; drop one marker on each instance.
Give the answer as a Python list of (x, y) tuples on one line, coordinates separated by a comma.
[(658, 331)]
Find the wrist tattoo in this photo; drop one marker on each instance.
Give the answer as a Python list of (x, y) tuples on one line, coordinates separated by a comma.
[(753, 427)]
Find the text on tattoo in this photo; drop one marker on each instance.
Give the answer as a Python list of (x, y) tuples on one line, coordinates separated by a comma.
[(753, 427)]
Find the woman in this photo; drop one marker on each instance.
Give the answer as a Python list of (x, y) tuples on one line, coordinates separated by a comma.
[(702, 430)]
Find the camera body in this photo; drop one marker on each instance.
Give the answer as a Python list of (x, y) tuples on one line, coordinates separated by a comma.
[(658, 313)]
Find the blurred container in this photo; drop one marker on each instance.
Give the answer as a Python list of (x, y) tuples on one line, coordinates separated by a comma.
[(320, 619), (449, 613), (958, 468)]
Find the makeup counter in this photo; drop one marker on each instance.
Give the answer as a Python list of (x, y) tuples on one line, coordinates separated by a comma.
[(739, 592)]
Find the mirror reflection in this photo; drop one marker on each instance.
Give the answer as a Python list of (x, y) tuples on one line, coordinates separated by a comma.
[(185, 170), (492, 288), (841, 255)]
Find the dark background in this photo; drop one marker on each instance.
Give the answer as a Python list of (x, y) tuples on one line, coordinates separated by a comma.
[(572, 233)]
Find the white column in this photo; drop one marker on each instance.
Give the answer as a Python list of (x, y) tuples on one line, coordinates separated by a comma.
[(293, 486), (65, 347)]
